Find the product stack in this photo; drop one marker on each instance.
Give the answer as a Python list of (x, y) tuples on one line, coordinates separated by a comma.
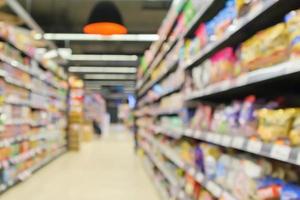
[(218, 109), (33, 92), (76, 113)]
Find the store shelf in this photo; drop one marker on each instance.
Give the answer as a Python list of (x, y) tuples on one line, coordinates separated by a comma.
[(168, 152), (17, 83), (214, 188), (159, 45), (282, 153), (280, 70), (167, 131), (22, 176), (12, 43), (170, 177), (17, 121), (274, 151), (154, 65), (150, 84), (197, 18), (5, 142), (20, 102), (165, 111), (164, 94), (160, 188), (161, 55), (231, 31), (26, 69), (168, 111)]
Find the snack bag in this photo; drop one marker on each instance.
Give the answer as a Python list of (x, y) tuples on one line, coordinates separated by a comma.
[(290, 192), (265, 48), (275, 124), (223, 63), (269, 188), (247, 118), (293, 22), (294, 135)]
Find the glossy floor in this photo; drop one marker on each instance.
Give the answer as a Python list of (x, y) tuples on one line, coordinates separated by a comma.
[(105, 169)]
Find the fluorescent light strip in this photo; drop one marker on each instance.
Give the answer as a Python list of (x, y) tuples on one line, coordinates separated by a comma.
[(90, 37), (83, 69), (110, 76), (87, 57)]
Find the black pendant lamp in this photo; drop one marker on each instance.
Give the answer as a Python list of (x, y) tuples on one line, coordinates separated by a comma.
[(105, 19)]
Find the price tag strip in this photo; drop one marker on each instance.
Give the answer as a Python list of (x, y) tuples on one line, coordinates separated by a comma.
[(238, 142), (197, 134), (215, 189), (226, 140), (281, 152), (298, 158), (217, 139), (254, 146), (200, 177)]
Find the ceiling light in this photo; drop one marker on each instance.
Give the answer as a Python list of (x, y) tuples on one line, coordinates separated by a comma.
[(105, 19), (93, 37), (86, 57), (84, 69), (110, 76)]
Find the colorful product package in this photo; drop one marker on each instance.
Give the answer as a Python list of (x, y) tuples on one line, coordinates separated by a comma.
[(201, 35), (290, 192), (294, 134), (223, 63), (247, 119), (293, 22), (275, 124), (265, 48), (269, 188)]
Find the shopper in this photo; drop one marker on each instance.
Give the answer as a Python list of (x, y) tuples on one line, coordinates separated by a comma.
[(97, 128)]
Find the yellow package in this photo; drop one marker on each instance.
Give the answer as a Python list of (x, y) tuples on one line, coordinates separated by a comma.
[(294, 135), (243, 6), (275, 124), (267, 47)]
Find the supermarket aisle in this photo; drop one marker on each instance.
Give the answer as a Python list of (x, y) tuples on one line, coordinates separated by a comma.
[(105, 169)]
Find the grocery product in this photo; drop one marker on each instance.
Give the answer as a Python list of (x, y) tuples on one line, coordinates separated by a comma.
[(275, 124), (234, 137), (265, 48)]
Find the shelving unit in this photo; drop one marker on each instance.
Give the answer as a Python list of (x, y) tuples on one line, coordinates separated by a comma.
[(33, 108), (211, 186), (166, 131)]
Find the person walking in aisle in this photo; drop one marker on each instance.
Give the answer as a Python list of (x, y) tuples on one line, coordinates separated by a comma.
[(97, 128)]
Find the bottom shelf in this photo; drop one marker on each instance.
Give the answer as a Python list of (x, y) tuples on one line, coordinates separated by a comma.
[(28, 172), (160, 188)]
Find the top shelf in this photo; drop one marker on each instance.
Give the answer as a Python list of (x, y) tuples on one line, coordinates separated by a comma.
[(160, 55), (243, 28), (31, 55), (164, 36)]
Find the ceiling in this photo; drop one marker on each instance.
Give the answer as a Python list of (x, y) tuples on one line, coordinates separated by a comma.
[(69, 16)]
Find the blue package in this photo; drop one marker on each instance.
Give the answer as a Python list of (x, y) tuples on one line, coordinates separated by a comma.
[(269, 181), (290, 192)]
